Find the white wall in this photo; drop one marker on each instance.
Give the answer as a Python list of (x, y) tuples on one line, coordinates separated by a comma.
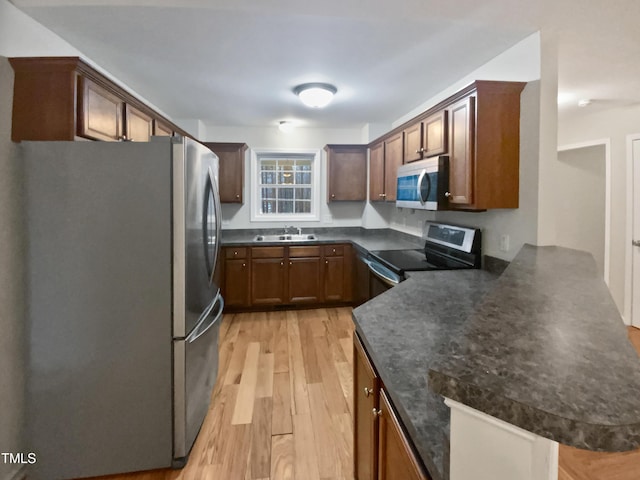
[(580, 213), (331, 214), (614, 125)]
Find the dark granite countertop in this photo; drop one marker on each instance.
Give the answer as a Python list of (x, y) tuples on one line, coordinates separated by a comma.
[(542, 347), (406, 330), (367, 239), (546, 350)]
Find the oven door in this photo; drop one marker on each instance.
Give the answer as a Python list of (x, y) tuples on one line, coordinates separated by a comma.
[(381, 278)]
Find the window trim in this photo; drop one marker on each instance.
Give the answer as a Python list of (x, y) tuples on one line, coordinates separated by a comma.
[(314, 216)]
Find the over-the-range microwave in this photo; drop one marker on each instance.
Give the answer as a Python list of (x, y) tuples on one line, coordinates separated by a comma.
[(424, 184)]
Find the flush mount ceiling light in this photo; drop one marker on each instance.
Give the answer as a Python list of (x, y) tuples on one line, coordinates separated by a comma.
[(315, 95)]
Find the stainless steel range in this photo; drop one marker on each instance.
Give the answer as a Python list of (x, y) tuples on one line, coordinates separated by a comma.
[(447, 247)]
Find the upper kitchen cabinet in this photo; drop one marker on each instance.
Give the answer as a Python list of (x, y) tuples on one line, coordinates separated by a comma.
[(384, 159), (63, 98), (231, 174), (478, 128), (426, 138), (139, 125), (346, 172), (161, 129), (100, 112), (484, 146)]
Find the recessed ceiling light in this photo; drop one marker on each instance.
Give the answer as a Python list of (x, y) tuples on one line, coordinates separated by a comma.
[(315, 95), (286, 126)]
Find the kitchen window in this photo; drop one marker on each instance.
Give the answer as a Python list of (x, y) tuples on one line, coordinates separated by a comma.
[(286, 185)]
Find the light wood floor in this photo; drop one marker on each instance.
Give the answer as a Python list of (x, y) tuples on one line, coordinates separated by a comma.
[(282, 407)]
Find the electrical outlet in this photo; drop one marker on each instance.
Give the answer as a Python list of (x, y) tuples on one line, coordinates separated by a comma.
[(504, 243)]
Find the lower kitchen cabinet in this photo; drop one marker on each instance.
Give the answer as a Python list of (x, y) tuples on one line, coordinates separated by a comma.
[(337, 273), (382, 451), (237, 274), (268, 276), (305, 275)]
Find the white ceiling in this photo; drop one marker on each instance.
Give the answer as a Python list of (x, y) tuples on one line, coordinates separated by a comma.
[(235, 62)]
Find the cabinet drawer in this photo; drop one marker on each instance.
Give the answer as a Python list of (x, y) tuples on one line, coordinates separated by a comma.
[(240, 252), (306, 251), (267, 252), (333, 250)]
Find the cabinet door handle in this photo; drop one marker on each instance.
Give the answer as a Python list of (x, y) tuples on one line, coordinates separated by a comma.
[(376, 412), (367, 391), (382, 195)]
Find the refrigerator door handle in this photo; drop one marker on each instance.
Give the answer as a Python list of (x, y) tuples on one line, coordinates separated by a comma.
[(202, 326)]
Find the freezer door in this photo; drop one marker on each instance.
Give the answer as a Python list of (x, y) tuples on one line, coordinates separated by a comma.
[(196, 210), (195, 372)]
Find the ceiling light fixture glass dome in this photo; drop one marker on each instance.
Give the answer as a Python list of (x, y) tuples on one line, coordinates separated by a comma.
[(315, 95)]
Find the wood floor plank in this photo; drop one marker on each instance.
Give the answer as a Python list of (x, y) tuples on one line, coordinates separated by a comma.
[(281, 345), (345, 376), (306, 460), (297, 375), (223, 406), (309, 354), (342, 430), (335, 396), (236, 363), (324, 439), (264, 387), (260, 463), (243, 410), (282, 457), (281, 415)]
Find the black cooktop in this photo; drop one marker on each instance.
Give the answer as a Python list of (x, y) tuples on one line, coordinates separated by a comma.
[(401, 261)]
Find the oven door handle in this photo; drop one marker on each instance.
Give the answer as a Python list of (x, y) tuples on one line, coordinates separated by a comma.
[(384, 274)]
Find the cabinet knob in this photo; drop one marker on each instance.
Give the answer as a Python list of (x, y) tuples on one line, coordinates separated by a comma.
[(334, 250), (237, 195), (290, 263), (376, 412), (282, 264), (448, 194), (235, 252), (367, 391), (333, 195), (244, 264), (327, 262), (382, 195)]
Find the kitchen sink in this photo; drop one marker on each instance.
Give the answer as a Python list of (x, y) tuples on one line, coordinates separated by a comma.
[(301, 237)]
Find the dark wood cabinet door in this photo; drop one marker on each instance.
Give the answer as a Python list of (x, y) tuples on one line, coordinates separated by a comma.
[(268, 281), (100, 113), (392, 160), (376, 173), (231, 170), (396, 458), (334, 285), (304, 280), (435, 130), (139, 125), (236, 282), (413, 147), (461, 151), (366, 386), (346, 172)]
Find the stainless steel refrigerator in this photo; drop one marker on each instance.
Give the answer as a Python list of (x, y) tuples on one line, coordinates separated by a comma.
[(124, 308)]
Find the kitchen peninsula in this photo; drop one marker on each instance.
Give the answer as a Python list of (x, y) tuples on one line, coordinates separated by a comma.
[(535, 356)]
